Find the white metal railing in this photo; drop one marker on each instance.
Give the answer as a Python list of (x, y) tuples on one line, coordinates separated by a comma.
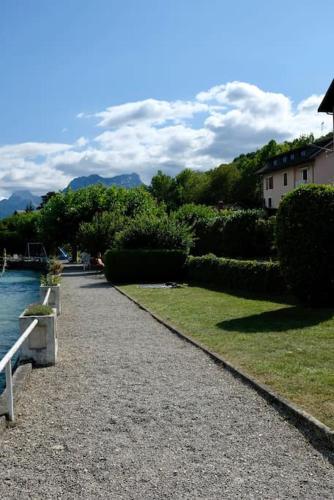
[(6, 361), (47, 296)]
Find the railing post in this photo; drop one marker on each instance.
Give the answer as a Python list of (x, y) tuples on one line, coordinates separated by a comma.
[(9, 390)]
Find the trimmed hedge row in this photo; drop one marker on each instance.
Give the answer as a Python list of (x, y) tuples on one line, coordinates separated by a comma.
[(305, 241), (236, 274), (144, 265), (240, 234)]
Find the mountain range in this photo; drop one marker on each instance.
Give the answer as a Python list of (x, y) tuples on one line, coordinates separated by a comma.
[(20, 200), (124, 180)]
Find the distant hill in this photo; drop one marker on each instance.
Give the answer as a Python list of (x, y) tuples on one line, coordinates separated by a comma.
[(18, 201), (125, 180)]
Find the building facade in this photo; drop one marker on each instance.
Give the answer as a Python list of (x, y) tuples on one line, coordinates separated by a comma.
[(308, 164)]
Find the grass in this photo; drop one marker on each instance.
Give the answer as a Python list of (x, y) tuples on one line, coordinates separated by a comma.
[(286, 346)]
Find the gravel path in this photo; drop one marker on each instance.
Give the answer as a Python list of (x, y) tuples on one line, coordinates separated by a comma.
[(133, 412)]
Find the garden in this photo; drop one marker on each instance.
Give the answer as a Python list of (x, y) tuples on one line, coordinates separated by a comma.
[(255, 288)]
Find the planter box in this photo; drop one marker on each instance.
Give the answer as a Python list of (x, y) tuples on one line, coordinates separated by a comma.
[(41, 347), (54, 299)]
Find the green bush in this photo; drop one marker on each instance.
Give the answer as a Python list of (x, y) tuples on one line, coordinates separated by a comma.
[(38, 310), (133, 266), (305, 236), (191, 213), (98, 235), (235, 234), (208, 236), (246, 275), (247, 234), (151, 232)]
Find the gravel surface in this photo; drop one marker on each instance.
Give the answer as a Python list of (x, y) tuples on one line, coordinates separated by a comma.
[(133, 412)]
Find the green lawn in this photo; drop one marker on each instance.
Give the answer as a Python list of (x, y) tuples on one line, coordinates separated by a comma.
[(288, 347)]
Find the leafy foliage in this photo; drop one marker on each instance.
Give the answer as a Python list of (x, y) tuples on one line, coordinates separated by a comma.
[(38, 310), (305, 235), (17, 230), (151, 232), (98, 235), (233, 274), (191, 213)]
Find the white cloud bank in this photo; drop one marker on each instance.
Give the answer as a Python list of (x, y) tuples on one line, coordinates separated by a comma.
[(144, 136)]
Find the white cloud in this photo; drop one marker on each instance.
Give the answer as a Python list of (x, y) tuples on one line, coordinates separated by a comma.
[(150, 111), (143, 136)]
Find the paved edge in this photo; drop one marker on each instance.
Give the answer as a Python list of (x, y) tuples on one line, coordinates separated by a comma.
[(313, 429), (20, 378)]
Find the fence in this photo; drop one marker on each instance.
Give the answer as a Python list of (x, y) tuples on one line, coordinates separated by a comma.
[(6, 362)]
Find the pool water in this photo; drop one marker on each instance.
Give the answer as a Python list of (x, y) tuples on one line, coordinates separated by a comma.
[(17, 290)]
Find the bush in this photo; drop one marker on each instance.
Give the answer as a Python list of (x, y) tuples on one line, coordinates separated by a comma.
[(98, 235), (150, 232), (208, 236), (305, 236), (247, 234), (144, 265), (235, 234), (38, 310), (191, 213), (234, 274)]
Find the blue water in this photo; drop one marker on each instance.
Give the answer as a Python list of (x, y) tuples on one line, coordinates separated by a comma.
[(17, 290)]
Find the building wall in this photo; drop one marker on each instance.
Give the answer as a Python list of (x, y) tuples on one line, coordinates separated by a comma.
[(321, 171), (295, 179), (324, 169), (279, 189)]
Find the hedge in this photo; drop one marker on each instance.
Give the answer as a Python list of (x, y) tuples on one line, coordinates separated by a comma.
[(305, 242), (133, 266), (240, 234), (245, 275)]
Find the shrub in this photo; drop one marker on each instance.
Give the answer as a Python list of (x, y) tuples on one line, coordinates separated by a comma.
[(38, 310), (144, 265), (248, 275), (150, 232), (247, 234), (235, 234), (55, 266), (98, 235), (208, 236), (50, 279), (191, 213), (305, 236)]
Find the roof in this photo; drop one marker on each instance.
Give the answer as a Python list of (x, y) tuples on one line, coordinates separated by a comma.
[(298, 156), (327, 104)]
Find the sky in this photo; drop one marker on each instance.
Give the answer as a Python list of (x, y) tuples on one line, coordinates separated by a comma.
[(119, 86)]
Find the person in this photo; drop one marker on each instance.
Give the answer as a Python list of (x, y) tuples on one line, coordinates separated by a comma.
[(85, 259), (99, 261)]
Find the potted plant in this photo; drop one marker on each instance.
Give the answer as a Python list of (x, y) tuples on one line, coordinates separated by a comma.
[(51, 281), (41, 346)]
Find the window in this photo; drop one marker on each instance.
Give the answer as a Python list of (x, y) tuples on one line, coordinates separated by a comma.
[(292, 156), (285, 179), (271, 183), (284, 159), (275, 163), (303, 153), (269, 202), (304, 173)]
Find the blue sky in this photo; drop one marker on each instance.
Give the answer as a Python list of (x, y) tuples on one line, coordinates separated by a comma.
[(111, 87)]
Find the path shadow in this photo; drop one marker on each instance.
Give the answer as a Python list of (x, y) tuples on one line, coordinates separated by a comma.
[(280, 320), (75, 274), (98, 284)]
